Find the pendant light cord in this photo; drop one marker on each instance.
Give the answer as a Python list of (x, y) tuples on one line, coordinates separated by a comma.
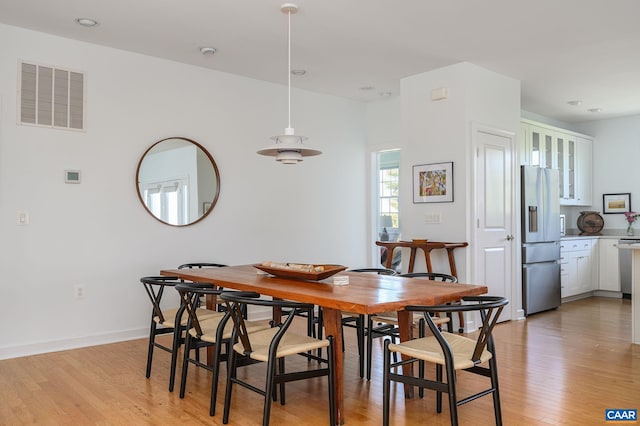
[(289, 66)]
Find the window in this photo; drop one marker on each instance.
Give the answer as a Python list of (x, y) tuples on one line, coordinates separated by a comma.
[(168, 200), (388, 194)]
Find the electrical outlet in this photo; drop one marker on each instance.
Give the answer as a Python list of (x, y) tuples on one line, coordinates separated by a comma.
[(78, 291)]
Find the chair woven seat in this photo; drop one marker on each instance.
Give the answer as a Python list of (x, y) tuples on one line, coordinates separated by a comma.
[(391, 317), (209, 328), (428, 349), (289, 345), (170, 314)]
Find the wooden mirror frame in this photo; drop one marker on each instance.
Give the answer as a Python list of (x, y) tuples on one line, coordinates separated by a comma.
[(216, 173)]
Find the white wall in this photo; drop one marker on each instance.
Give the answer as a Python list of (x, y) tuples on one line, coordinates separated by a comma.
[(383, 126), (616, 147), (440, 131), (616, 150), (98, 235)]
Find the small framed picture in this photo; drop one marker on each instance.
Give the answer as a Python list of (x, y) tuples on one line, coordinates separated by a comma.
[(616, 203), (433, 183)]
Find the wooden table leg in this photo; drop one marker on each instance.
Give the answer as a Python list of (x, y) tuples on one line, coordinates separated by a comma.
[(389, 261), (405, 324), (452, 261), (454, 272), (333, 327), (427, 260), (412, 259)]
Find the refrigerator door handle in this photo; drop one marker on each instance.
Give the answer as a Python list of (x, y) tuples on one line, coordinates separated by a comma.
[(533, 219)]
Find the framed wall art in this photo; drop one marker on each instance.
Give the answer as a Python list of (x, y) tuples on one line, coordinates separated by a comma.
[(433, 183), (616, 203)]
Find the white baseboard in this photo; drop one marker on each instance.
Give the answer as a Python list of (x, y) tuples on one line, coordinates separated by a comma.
[(7, 352), (577, 297), (607, 293)]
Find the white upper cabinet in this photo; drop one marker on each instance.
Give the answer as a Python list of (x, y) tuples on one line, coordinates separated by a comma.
[(569, 152), (543, 147), (584, 166)]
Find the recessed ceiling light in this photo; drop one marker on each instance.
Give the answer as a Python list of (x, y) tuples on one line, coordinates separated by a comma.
[(298, 72), (86, 22), (575, 103), (595, 110), (208, 50), (367, 88)]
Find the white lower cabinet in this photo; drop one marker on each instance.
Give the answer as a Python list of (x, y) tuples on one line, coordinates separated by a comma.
[(609, 269), (578, 266)]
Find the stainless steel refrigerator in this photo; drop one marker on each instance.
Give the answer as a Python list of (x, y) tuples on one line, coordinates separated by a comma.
[(540, 196)]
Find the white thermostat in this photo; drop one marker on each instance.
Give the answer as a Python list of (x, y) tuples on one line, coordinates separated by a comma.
[(72, 176)]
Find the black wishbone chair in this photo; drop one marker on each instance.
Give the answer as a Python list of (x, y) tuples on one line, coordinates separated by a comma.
[(388, 321), (454, 352), (272, 346), (199, 265), (166, 320), (215, 331)]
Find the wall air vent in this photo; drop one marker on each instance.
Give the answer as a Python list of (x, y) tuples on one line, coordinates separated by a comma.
[(51, 97)]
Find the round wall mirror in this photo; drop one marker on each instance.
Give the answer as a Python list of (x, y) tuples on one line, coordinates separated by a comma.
[(178, 182)]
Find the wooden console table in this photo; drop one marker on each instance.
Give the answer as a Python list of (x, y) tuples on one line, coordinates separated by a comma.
[(426, 247)]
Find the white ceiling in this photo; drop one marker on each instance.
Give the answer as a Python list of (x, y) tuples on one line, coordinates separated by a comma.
[(561, 50)]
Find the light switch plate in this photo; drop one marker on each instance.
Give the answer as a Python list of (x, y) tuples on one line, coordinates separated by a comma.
[(432, 218), (22, 218)]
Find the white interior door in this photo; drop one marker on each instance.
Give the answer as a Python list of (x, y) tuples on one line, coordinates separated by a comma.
[(494, 243)]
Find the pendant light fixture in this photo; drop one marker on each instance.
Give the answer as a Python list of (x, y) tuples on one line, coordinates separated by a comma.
[(288, 148)]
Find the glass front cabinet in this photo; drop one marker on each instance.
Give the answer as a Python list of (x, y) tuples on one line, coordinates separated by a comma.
[(569, 152)]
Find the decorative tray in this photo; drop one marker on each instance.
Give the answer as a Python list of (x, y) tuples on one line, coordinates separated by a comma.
[(315, 272)]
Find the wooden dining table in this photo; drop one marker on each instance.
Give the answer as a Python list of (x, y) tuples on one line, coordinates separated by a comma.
[(365, 294)]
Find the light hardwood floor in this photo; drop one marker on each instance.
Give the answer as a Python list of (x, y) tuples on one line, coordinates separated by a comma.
[(560, 367)]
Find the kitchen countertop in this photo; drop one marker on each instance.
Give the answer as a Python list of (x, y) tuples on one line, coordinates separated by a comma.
[(573, 234)]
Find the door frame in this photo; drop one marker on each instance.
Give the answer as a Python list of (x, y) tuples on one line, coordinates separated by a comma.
[(517, 312)]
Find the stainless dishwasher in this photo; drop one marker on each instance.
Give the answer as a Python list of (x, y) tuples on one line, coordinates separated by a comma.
[(624, 261)]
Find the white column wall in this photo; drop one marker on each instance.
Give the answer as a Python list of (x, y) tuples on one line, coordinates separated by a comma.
[(440, 131)]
